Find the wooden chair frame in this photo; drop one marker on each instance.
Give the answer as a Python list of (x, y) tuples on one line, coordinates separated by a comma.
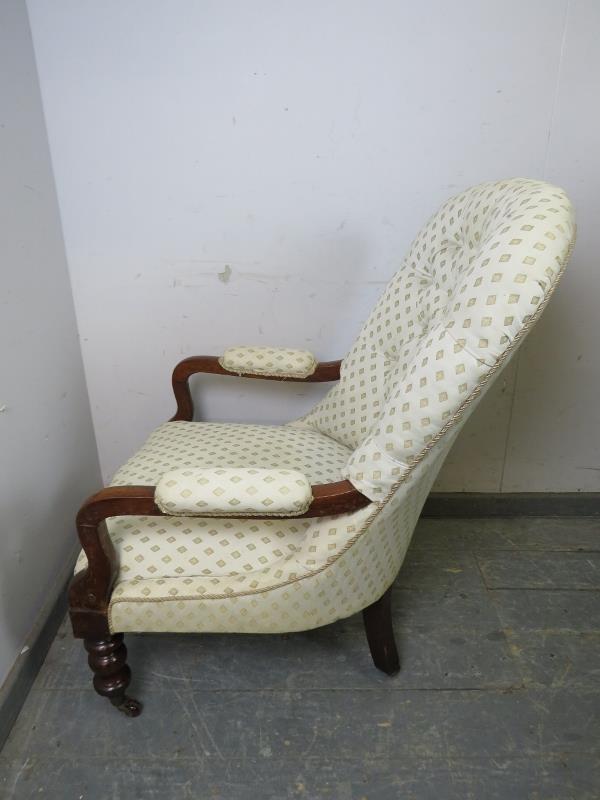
[(90, 590)]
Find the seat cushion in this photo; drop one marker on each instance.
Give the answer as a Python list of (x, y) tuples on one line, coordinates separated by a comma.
[(177, 547), (176, 445)]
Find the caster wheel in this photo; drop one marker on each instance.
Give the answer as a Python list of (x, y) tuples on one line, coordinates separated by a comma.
[(130, 707)]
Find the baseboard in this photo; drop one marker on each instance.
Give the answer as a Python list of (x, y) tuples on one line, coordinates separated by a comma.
[(19, 681), (518, 504)]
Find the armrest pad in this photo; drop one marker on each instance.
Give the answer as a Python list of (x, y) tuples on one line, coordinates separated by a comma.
[(277, 361), (223, 492)]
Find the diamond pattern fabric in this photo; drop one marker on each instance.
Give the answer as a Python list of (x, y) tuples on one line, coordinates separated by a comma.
[(205, 445), (153, 547), (226, 491), (340, 566), (471, 279), (274, 361)]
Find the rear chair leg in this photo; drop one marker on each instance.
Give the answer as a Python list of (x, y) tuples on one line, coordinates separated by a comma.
[(108, 661), (380, 634)]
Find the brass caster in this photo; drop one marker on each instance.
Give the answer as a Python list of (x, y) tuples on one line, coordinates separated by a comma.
[(129, 707)]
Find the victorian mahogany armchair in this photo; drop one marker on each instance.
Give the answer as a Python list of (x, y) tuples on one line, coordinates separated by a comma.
[(251, 528)]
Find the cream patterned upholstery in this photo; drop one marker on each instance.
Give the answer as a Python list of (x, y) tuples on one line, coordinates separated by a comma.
[(274, 361), (475, 280), (225, 491), (471, 280), (340, 566), (205, 445), (177, 547)]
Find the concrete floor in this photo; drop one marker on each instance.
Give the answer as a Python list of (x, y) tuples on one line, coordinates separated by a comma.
[(498, 623)]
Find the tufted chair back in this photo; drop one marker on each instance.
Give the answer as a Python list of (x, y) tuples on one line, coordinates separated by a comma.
[(474, 279)]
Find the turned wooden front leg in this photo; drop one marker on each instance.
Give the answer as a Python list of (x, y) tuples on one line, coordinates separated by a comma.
[(108, 661)]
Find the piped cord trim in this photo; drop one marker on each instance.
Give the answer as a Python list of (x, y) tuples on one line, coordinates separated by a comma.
[(208, 514), (379, 506)]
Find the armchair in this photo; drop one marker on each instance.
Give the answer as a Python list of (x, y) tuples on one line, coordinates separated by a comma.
[(256, 528)]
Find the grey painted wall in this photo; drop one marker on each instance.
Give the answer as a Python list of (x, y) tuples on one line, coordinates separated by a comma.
[(253, 172), (48, 457)]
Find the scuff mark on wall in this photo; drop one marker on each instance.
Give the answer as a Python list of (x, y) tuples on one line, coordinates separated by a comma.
[(225, 275)]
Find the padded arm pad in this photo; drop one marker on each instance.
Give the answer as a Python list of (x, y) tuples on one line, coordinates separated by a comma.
[(272, 361), (223, 492)]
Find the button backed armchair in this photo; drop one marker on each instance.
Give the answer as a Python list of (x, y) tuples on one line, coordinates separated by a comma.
[(253, 528)]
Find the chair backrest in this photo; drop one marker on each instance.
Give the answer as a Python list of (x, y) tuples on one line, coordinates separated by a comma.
[(474, 281)]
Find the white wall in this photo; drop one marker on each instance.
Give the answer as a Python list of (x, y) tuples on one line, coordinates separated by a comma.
[(48, 459), (235, 172)]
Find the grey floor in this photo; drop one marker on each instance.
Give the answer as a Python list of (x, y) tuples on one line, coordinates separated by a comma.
[(498, 622)]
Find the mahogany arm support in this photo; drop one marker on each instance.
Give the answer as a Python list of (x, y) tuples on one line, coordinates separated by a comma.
[(325, 371), (90, 590), (340, 497)]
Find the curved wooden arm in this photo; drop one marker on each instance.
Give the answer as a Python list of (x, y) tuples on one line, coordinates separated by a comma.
[(325, 371), (340, 497), (90, 590)]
